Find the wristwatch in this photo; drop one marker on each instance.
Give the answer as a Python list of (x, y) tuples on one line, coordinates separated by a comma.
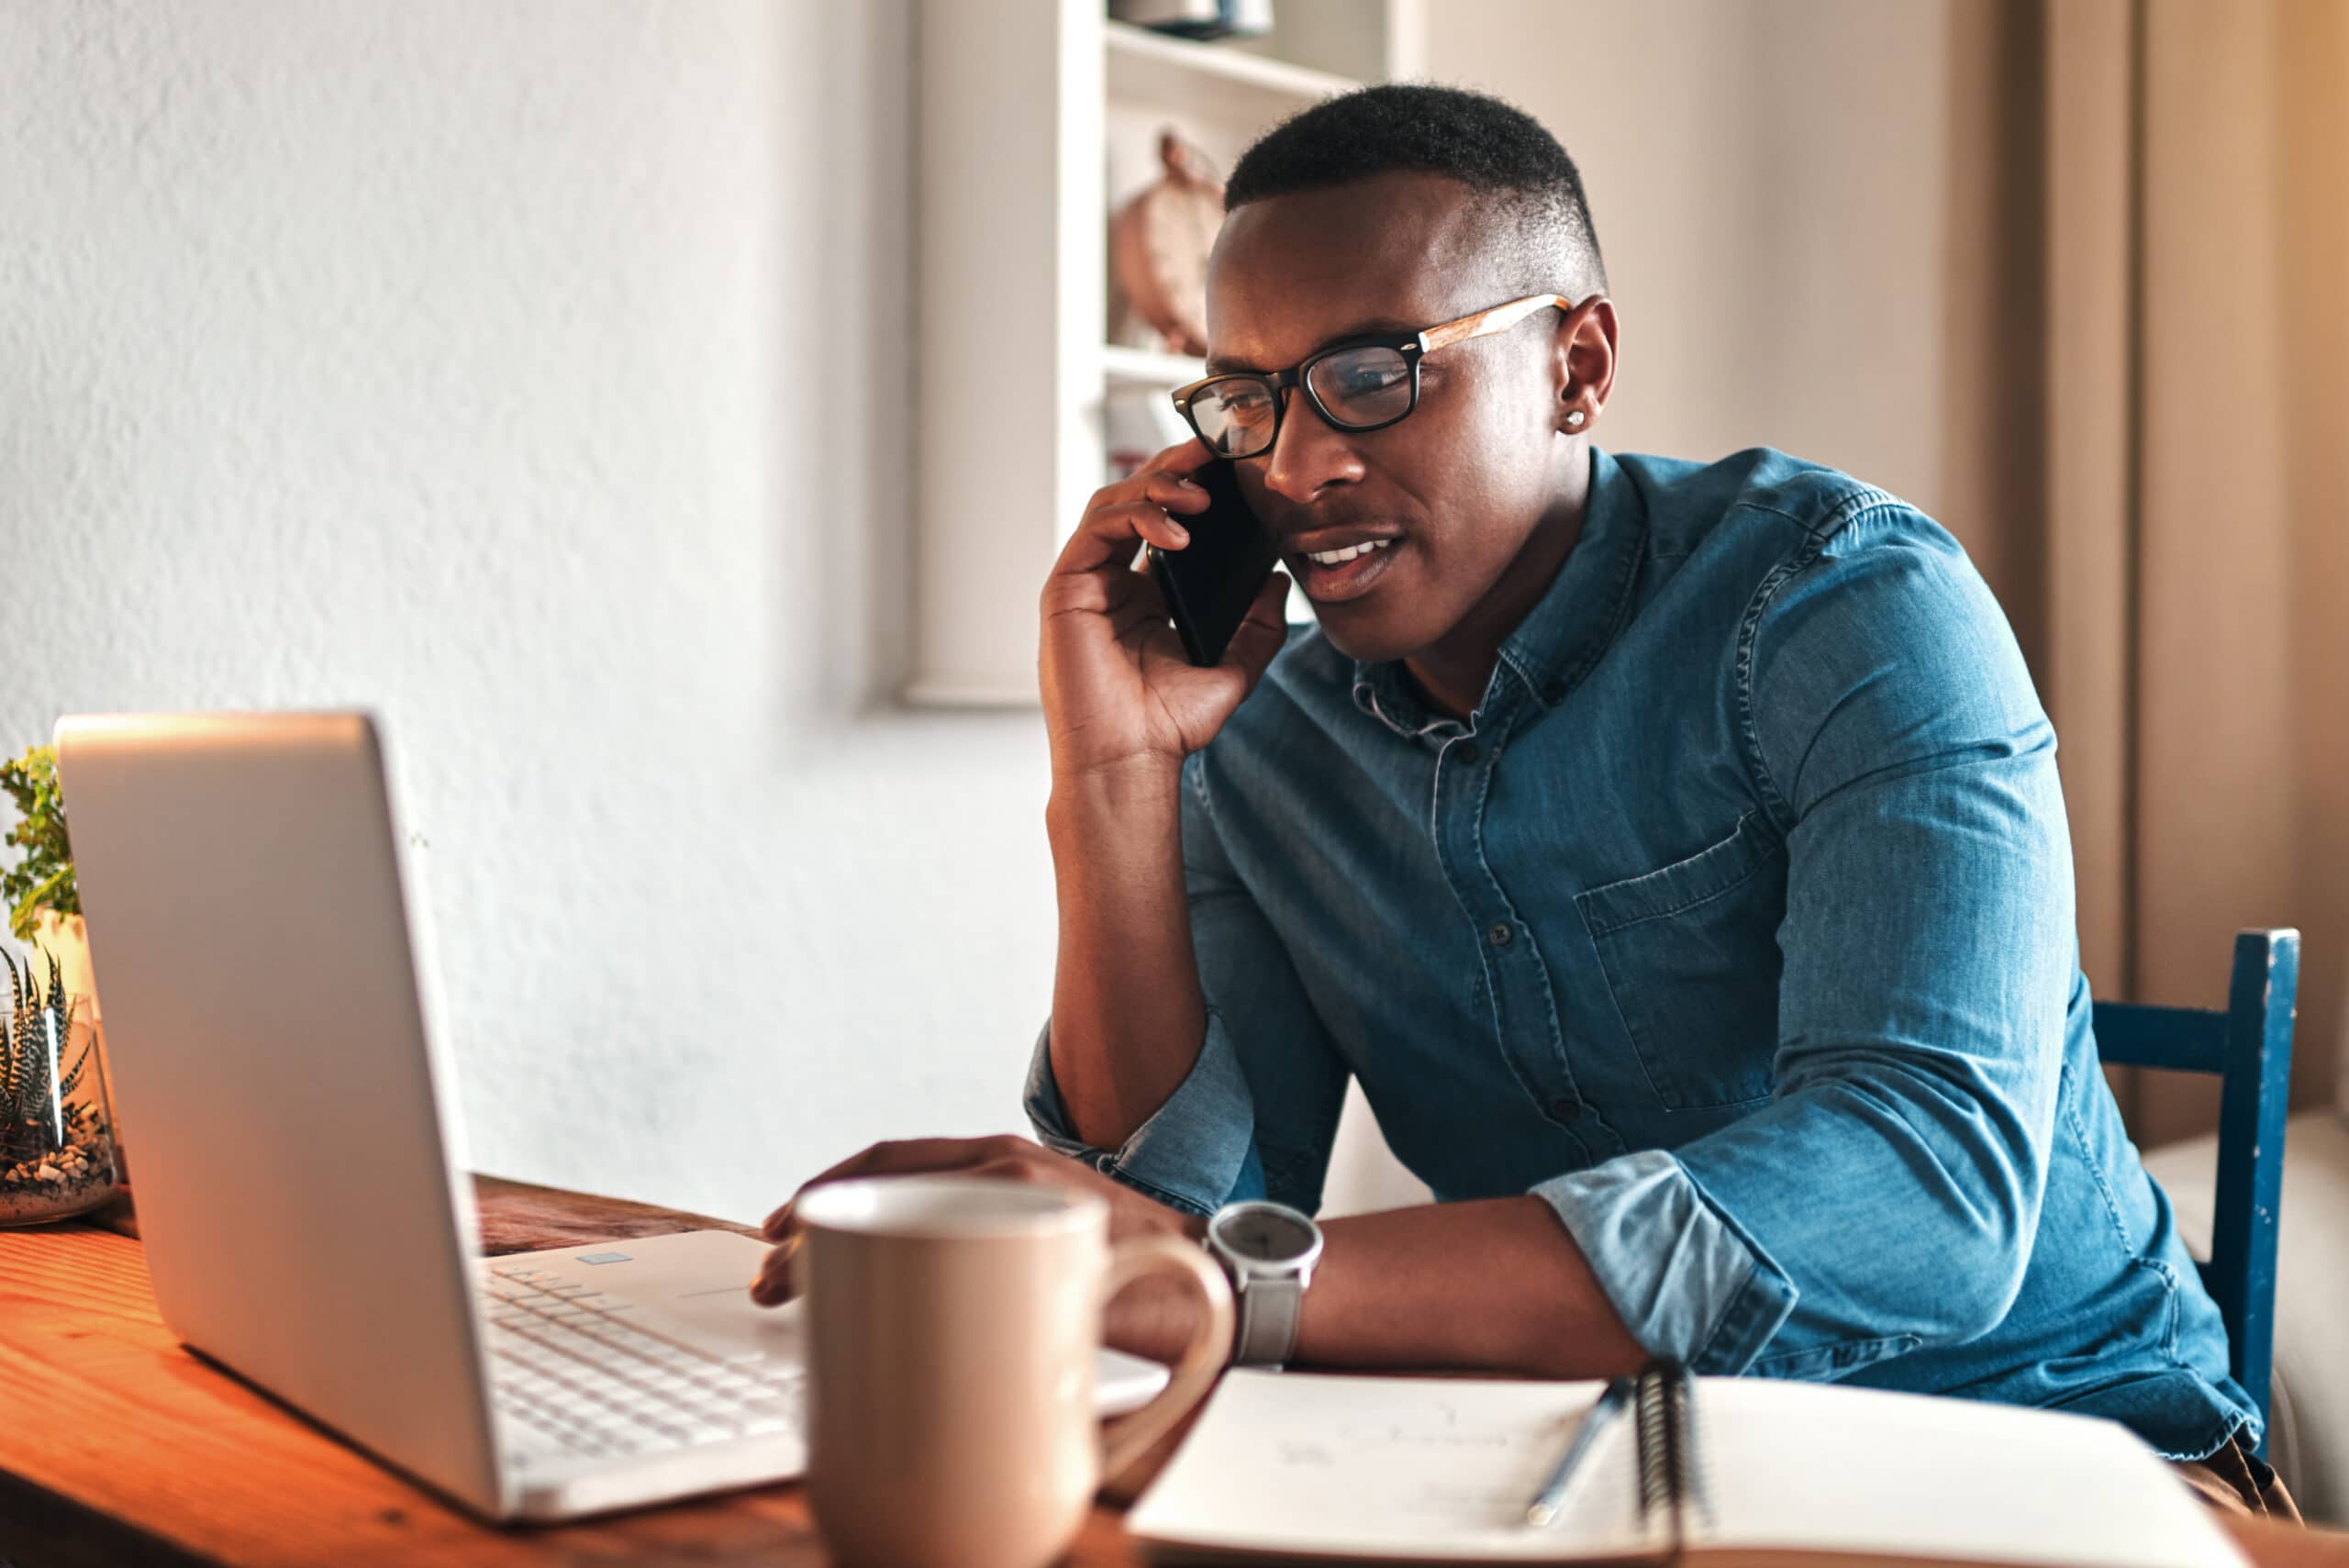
[(1269, 1249)]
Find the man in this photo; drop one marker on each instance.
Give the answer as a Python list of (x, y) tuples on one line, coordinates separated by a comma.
[(1674, 853)]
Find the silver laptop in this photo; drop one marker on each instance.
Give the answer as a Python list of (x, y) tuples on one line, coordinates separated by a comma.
[(277, 1074)]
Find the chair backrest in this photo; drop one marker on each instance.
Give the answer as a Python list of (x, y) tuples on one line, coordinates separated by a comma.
[(2249, 1046)]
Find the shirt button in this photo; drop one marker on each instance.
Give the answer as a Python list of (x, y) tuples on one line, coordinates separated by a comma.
[(1499, 933), (1554, 693), (1467, 753), (1566, 1109)]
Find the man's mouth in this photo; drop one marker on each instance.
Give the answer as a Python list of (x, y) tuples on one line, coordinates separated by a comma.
[(1340, 557), (1344, 571)]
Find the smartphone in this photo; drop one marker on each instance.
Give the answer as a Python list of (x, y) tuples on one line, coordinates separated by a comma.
[(1210, 583)]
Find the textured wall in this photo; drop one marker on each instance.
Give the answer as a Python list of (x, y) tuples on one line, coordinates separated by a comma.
[(536, 373)]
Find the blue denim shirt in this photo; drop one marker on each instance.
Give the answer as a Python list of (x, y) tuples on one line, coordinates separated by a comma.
[(1736, 922)]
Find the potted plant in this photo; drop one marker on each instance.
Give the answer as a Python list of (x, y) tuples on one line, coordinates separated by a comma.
[(57, 1154), (43, 906)]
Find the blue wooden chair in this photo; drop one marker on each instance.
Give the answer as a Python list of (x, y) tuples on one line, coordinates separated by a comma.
[(2249, 1046)]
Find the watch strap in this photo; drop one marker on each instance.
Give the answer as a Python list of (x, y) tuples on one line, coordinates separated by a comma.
[(1268, 1312)]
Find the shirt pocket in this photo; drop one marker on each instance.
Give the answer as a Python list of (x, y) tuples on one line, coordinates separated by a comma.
[(1690, 953)]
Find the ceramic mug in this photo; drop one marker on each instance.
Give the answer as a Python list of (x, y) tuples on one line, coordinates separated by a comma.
[(952, 1326)]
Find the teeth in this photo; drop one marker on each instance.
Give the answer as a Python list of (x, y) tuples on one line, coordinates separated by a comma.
[(1339, 557)]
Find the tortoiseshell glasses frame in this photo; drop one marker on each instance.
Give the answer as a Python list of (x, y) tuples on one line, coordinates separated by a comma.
[(1365, 383)]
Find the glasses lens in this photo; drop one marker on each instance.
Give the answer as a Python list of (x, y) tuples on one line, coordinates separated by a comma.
[(1235, 417), (1363, 386)]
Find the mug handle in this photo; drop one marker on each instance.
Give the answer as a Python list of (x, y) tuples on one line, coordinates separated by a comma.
[(1126, 1439)]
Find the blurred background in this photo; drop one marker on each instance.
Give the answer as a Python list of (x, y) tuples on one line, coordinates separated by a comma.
[(611, 396)]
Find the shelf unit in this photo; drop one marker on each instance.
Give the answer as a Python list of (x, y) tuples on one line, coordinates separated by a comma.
[(1035, 120)]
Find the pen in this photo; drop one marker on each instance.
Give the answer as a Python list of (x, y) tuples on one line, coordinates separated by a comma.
[(1544, 1506)]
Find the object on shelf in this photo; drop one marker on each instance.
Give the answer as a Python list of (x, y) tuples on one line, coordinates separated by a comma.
[(1158, 251), (1198, 18)]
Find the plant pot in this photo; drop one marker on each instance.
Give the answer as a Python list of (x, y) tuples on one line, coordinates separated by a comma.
[(57, 1152), (68, 937)]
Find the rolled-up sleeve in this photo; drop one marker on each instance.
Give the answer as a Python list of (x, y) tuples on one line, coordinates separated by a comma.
[(1887, 1194), (1257, 1112), (1686, 1281), (1198, 1144)]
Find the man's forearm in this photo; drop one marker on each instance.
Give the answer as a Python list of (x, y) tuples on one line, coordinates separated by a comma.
[(1128, 1015), (1496, 1285)]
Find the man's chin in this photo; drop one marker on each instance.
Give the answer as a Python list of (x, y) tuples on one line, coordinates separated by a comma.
[(1360, 632)]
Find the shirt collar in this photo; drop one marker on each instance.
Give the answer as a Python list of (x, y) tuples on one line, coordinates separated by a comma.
[(1563, 636)]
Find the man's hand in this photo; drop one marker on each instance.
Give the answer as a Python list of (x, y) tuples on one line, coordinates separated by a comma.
[(1151, 1318), (1118, 692)]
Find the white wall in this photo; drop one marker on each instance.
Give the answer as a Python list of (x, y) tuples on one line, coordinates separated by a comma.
[(537, 373)]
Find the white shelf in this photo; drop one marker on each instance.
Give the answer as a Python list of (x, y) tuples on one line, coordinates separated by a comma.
[(1205, 78), (1033, 120), (1145, 367)]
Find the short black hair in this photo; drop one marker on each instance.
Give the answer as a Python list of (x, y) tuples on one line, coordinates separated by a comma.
[(1518, 172)]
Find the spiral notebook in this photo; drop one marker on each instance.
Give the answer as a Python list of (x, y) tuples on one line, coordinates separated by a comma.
[(1288, 1466)]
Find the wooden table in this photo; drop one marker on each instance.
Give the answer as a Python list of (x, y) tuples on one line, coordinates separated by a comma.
[(120, 1447)]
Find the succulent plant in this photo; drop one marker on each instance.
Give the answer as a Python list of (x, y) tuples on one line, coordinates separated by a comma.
[(37, 1113)]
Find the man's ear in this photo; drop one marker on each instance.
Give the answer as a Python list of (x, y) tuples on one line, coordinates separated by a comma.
[(1582, 368)]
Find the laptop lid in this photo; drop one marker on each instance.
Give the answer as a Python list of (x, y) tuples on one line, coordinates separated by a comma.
[(294, 1166)]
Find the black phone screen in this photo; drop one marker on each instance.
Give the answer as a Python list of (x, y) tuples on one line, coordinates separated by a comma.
[(1210, 583)]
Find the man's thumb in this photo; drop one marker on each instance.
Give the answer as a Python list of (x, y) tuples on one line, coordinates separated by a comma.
[(1259, 636)]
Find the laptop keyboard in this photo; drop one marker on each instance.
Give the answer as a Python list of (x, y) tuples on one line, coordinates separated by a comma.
[(567, 1362)]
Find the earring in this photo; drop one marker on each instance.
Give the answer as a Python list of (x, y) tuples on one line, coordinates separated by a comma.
[(1574, 420)]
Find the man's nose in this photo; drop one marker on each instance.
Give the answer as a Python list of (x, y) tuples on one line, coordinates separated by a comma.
[(1308, 454)]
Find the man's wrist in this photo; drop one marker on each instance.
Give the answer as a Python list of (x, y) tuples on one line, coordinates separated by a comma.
[(1126, 785)]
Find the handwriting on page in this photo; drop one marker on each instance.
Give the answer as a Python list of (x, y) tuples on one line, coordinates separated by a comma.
[(1440, 1428), (1410, 1456)]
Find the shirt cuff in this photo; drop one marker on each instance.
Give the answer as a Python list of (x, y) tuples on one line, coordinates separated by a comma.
[(1192, 1151), (1689, 1283)]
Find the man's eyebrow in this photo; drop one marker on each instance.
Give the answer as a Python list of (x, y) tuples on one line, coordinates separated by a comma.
[(1218, 364)]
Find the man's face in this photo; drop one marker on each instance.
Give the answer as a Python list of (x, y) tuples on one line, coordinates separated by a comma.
[(1457, 486)]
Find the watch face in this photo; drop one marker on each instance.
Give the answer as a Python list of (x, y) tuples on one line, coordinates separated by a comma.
[(1265, 1234)]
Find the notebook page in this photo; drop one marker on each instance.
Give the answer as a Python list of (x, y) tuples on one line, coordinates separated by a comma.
[(1825, 1469), (1421, 1469)]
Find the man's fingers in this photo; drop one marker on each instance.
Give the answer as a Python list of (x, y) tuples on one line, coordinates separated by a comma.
[(1111, 534), (1181, 491), (773, 1285), (1147, 521), (1144, 506)]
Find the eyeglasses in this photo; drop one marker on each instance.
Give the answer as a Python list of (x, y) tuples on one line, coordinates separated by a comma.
[(1363, 383)]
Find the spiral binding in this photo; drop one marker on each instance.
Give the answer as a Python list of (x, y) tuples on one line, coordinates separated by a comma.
[(1659, 1482), (1672, 1475), (1689, 1454)]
